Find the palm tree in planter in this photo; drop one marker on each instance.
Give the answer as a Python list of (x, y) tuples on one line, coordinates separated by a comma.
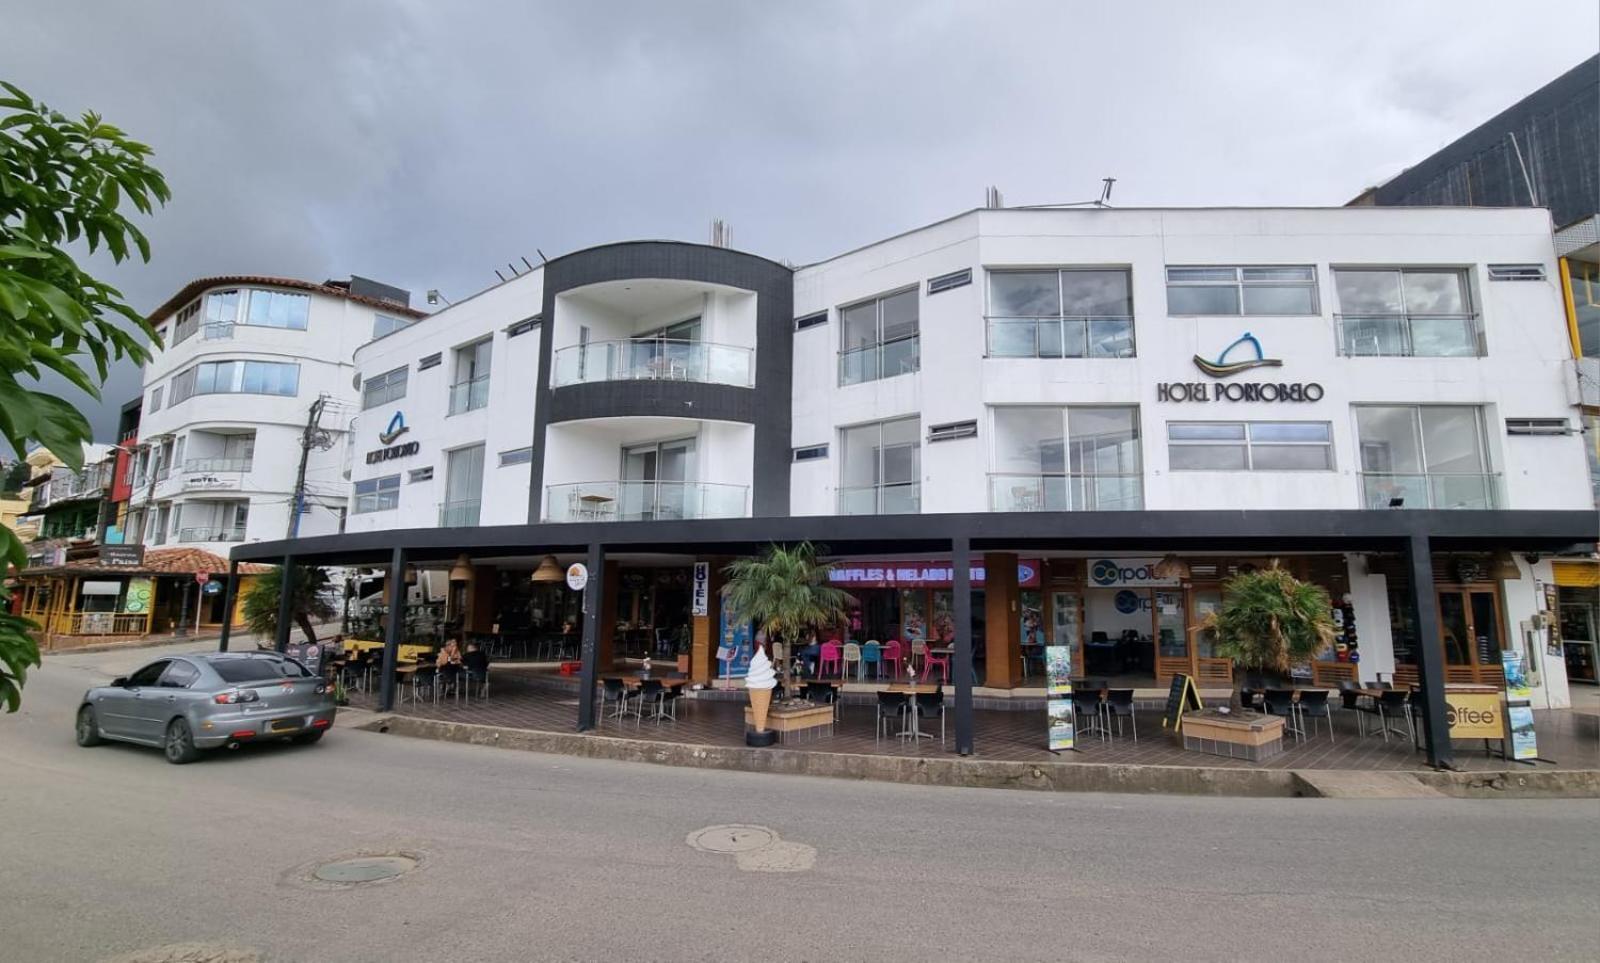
[(306, 601), (1269, 620), (785, 592)]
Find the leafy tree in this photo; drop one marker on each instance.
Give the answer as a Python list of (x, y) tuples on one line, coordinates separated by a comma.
[(62, 181), (306, 601), (15, 477), (785, 591), (1270, 620)]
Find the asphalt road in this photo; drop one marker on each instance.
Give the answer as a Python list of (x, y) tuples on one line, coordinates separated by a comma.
[(110, 850)]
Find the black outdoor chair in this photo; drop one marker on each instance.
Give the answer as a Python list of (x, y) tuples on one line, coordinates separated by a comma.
[(1280, 702), (1119, 706), (932, 703), (613, 692), (1086, 704), (651, 693), (1391, 704), (1314, 705), (890, 706)]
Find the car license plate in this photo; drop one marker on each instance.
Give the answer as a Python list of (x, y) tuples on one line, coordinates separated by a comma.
[(280, 725)]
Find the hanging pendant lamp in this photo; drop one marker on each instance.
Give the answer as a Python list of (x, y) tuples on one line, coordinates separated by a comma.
[(549, 570), (461, 571)]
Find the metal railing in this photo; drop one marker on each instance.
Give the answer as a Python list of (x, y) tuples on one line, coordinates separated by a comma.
[(217, 330), (900, 498), (1408, 335), (218, 464), (99, 623), (207, 534), (880, 361), (654, 359), (469, 395), (631, 501), (460, 514), (1432, 490), (66, 485), (1063, 492), (1109, 336)]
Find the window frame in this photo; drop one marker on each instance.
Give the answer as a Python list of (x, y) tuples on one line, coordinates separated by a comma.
[(379, 490), (400, 324), (516, 456), (1472, 316), (1485, 453), (186, 383), (1240, 284), (1061, 317), (879, 485), (370, 385), (1248, 444), (879, 344)]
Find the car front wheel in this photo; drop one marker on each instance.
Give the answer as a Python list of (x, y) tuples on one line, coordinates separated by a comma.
[(88, 728), (179, 744)]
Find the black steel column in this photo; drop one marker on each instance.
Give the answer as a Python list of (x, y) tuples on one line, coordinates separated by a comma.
[(1430, 657), (397, 621), (285, 596), (229, 600), (961, 661), (593, 600)]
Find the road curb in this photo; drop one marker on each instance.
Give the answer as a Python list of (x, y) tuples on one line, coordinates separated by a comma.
[(981, 773)]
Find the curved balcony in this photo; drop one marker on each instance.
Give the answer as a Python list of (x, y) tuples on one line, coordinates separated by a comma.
[(634, 501), (653, 359)]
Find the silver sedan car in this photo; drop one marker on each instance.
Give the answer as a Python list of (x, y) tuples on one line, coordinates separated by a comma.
[(187, 703)]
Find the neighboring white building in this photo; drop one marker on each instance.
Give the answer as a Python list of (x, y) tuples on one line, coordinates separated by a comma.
[(226, 402), (1005, 361)]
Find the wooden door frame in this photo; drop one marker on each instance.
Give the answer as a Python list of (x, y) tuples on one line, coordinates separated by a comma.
[(1470, 646)]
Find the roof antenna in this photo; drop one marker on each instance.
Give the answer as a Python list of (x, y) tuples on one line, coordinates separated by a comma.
[(525, 262), (542, 258), (497, 274), (1105, 193)]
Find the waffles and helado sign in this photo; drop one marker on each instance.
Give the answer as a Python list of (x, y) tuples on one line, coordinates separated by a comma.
[(1219, 390)]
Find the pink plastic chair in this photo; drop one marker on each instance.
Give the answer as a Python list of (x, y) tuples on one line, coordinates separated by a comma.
[(891, 655), (832, 653), (942, 661)]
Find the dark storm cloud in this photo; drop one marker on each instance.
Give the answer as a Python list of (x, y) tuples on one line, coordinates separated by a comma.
[(425, 143)]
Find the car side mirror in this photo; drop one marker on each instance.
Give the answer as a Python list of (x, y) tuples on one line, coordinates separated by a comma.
[(120, 682)]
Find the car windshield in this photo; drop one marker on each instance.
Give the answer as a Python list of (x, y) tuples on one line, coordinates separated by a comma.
[(258, 670)]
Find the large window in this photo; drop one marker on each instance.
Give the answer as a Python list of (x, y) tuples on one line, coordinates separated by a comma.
[(878, 338), (186, 323), (463, 487), (470, 389), (1278, 290), (377, 495), (237, 377), (385, 388), (1406, 312), (1058, 459), (1583, 285), (1249, 446), (1065, 313), (1424, 456), (383, 324), (882, 469)]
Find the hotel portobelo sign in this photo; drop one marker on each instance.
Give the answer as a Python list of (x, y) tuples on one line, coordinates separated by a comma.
[(397, 427), (1184, 391)]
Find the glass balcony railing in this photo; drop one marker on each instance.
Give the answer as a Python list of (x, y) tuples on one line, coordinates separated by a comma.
[(469, 395), (901, 498), (217, 465), (1394, 490), (1086, 337), (633, 501), (460, 514), (1066, 493), (209, 535), (880, 361), (654, 359), (1408, 336), (217, 330)]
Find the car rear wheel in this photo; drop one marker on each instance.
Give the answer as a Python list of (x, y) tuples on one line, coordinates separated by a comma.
[(179, 744), (88, 728), (308, 738)]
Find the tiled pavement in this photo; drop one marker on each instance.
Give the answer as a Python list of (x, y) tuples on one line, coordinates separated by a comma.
[(521, 698)]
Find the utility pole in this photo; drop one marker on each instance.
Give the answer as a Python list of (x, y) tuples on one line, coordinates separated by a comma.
[(308, 438)]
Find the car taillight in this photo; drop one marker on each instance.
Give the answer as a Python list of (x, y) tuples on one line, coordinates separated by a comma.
[(235, 696)]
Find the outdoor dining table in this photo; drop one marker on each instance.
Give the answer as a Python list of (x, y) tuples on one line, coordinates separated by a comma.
[(914, 725), (634, 680)]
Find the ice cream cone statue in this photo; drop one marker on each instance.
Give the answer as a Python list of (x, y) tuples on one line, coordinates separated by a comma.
[(760, 682)]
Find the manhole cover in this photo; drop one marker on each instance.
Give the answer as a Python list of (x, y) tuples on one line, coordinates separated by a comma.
[(364, 869), (731, 839)]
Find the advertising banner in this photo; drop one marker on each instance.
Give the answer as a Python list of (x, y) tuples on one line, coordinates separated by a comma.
[(1524, 741), (1061, 734), (137, 601), (700, 593), (1058, 669), (1474, 715)]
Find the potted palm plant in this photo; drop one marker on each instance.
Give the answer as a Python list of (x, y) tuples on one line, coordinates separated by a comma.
[(785, 592), (1268, 621)]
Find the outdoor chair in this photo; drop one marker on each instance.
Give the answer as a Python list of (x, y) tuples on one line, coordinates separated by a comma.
[(424, 679), (476, 680), (1390, 704), (891, 655), (650, 693), (1086, 704), (932, 703), (1119, 705), (871, 654), (942, 661), (668, 703), (890, 706), (919, 657), (852, 653), (1280, 702), (1314, 705), (613, 692), (830, 656), (1349, 698)]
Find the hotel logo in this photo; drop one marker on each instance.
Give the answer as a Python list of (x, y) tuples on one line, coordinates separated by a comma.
[(1223, 368), (397, 427)]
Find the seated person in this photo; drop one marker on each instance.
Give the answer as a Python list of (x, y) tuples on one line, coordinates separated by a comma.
[(476, 661), (449, 662)]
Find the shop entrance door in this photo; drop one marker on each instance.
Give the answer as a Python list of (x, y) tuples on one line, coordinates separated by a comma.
[(1470, 635)]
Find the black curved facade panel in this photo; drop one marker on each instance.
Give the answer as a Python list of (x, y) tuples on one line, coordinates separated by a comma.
[(767, 406)]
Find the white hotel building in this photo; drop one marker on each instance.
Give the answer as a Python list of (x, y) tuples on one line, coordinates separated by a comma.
[(226, 403), (1366, 393)]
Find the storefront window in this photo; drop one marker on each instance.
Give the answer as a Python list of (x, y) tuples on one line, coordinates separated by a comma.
[(944, 620), (1206, 602), (1170, 625), (914, 615), (1065, 617), (1031, 618)]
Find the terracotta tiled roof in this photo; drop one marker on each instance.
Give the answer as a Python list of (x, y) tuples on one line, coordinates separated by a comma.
[(192, 290), (157, 561)]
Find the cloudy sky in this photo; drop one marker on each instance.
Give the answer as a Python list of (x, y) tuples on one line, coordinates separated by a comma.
[(424, 143)]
